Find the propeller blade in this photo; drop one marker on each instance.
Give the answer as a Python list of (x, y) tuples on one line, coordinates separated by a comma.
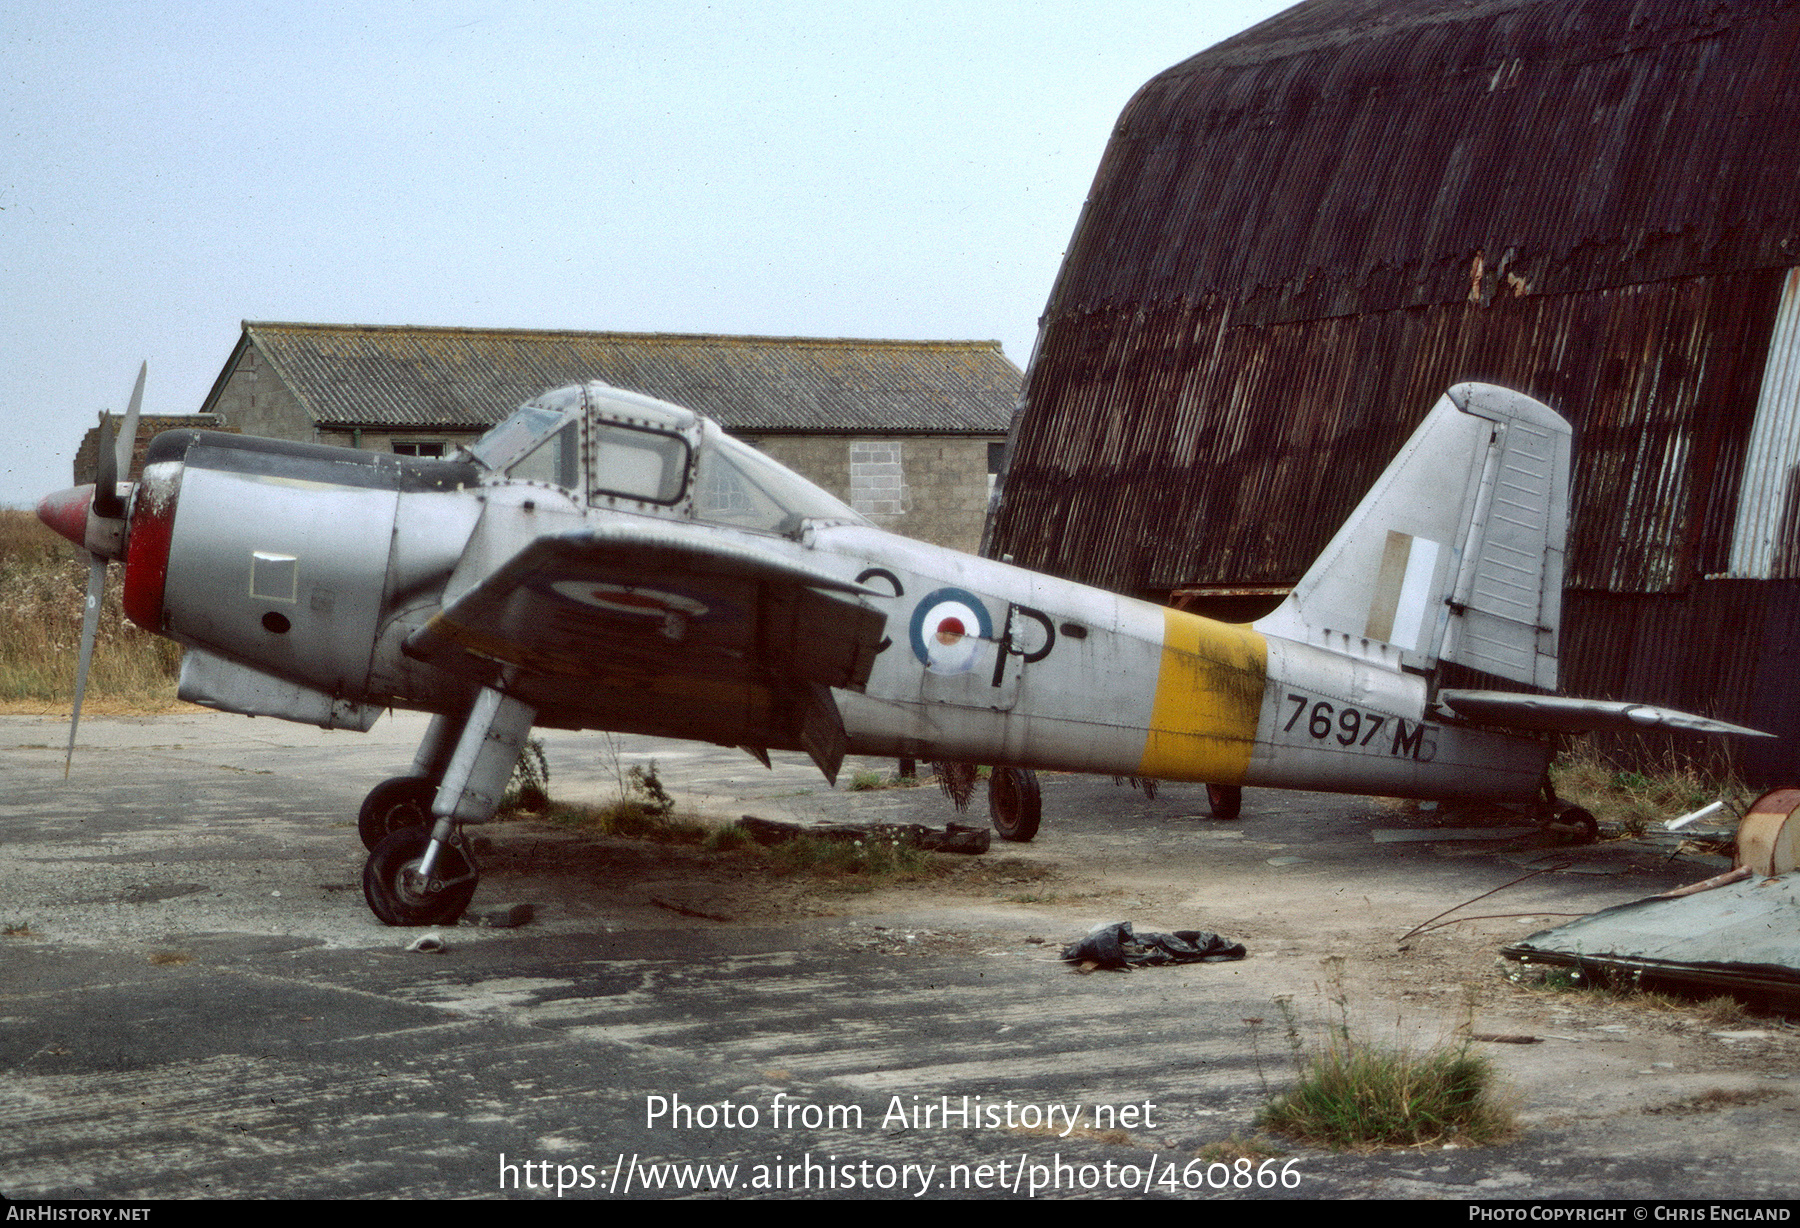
[(90, 627), (106, 473), (128, 437)]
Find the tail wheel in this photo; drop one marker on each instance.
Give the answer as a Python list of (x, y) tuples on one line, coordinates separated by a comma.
[(1225, 801), (399, 896), (1015, 803), (1575, 823), (394, 805)]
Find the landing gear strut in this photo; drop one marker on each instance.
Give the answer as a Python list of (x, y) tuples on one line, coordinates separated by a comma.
[(1224, 801), (420, 871)]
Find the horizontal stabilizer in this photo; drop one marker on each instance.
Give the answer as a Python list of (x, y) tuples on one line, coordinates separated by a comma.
[(1559, 714)]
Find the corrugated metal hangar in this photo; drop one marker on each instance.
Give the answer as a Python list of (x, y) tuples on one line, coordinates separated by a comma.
[(1297, 240)]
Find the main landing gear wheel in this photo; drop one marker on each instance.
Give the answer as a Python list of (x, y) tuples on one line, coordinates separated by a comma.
[(396, 893), (1224, 800), (394, 805), (1014, 803)]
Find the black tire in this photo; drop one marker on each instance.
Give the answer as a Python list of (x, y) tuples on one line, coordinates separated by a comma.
[(1225, 801), (390, 881), (1015, 804), (1577, 824), (394, 805)]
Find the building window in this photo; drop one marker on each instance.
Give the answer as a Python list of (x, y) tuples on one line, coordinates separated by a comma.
[(421, 447)]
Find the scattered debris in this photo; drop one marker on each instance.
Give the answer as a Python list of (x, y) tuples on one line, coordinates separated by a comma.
[(686, 911), (510, 917), (1718, 880), (1694, 816), (955, 838), (428, 944), (1117, 946), (1414, 835), (1740, 937), (957, 780)]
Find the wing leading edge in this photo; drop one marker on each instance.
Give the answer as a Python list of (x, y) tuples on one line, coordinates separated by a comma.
[(660, 628)]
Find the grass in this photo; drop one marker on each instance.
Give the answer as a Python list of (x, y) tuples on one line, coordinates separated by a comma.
[(869, 862), (630, 819), (1351, 1094), (855, 865), (1230, 1150), (870, 781), (43, 586), (1722, 1010), (1629, 800)]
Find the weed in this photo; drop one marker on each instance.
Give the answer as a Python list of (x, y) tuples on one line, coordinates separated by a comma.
[(1255, 1023), (1351, 1093), (1630, 799), (728, 839), (529, 789), (43, 585), (644, 810), (631, 819), (1627, 989), (643, 787), (869, 861), (1229, 1150), (17, 929)]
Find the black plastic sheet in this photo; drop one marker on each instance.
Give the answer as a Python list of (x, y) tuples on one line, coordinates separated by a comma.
[(1118, 946)]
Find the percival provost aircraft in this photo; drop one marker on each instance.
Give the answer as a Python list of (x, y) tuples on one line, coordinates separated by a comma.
[(604, 560)]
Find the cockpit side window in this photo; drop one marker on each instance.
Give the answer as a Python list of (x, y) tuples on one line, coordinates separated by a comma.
[(737, 485), (634, 462), (555, 461), (520, 432)]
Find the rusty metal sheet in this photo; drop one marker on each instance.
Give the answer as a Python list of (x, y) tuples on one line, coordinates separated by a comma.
[(1743, 937)]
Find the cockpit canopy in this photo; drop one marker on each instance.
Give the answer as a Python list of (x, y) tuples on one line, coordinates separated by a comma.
[(614, 448)]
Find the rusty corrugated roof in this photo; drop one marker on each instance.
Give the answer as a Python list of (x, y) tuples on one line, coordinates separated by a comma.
[(1298, 239), (380, 376), (1354, 155)]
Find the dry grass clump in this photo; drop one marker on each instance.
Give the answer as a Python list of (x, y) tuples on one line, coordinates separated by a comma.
[(43, 586), (1351, 1094), (1630, 800), (1354, 1095)]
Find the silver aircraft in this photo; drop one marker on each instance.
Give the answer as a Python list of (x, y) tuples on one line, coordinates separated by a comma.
[(605, 560)]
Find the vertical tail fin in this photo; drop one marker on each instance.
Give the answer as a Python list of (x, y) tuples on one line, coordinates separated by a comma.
[(1456, 553)]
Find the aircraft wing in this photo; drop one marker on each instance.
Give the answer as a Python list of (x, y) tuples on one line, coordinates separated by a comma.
[(666, 628), (1560, 714)]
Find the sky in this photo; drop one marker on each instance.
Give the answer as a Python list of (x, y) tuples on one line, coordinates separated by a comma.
[(910, 169)]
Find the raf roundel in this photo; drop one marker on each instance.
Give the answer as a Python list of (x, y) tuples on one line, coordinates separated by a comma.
[(629, 598), (948, 627)]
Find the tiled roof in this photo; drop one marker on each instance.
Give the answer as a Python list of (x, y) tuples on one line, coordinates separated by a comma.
[(372, 376)]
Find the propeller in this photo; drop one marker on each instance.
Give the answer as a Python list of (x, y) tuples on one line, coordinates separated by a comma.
[(97, 524)]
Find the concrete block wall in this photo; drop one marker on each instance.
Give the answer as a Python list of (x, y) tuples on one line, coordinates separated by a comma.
[(932, 487)]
